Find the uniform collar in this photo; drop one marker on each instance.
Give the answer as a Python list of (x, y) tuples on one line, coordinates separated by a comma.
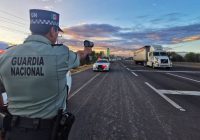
[(38, 38)]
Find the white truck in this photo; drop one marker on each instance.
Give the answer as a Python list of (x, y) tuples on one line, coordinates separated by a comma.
[(153, 56)]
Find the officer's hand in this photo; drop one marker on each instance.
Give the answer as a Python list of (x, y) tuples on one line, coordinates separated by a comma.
[(87, 49), (83, 54)]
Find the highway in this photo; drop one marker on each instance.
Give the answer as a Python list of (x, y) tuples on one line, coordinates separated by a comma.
[(132, 102)]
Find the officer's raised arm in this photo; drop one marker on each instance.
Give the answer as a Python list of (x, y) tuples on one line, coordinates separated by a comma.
[(75, 58), (87, 50)]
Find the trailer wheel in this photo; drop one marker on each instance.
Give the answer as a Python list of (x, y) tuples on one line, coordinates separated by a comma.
[(144, 64), (153, 66)]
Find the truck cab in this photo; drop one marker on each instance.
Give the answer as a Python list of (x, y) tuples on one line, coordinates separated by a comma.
[(157, 57)]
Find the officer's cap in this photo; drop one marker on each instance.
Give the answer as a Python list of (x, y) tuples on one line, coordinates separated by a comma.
[(44, 17)]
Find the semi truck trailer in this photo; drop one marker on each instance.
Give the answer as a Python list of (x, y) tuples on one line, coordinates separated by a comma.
[(153, 56)]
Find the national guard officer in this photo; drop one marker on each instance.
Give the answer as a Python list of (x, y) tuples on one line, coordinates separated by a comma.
[(34, 77)]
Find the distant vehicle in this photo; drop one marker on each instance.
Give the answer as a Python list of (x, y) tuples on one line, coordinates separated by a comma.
[(3, 49), (113, 59), (153, 56), (101, 65)]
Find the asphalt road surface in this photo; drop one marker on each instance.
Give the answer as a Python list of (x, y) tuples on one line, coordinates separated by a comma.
[(132, 102)]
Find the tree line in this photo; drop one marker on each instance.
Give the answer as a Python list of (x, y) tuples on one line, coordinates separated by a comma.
[(188, 57)]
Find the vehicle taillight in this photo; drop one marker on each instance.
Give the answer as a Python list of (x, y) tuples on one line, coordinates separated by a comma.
[(2, 51)]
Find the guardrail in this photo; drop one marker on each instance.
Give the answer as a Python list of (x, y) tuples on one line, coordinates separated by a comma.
[(187, 64)]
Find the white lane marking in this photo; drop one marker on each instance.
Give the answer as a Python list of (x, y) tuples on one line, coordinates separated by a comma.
[(184, 77), (81, 71), (166, 98), (178, 92), (87, 98), (165, 71), (128, 69), (134, 73), (76, 91), (138, 66)]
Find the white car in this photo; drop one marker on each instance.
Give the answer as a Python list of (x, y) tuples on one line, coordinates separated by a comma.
[(101, 65), (69, 83)]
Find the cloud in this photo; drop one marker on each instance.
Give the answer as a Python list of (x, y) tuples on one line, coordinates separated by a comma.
[(154, 4), (49, 4), (174, 14), (163, 36), (186, 39), (121, 39), (91, 30), (168, 18), (142, 17), (44, 0), (3, 45), (48, 7), (55, 1)]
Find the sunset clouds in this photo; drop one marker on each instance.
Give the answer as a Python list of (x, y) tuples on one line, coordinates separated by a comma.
[(120, 25), (125, 39)]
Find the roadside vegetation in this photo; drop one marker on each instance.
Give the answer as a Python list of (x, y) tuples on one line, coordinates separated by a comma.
[(92, 58), (189, 57)]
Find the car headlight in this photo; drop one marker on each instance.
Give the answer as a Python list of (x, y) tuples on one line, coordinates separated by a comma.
[(94, 65)]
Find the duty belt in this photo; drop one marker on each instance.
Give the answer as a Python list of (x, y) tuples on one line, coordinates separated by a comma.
[(31, 123)]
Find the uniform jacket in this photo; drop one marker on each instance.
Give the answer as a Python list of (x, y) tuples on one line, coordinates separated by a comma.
[(34, 76)]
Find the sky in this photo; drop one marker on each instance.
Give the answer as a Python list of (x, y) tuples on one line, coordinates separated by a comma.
[(121, 25)]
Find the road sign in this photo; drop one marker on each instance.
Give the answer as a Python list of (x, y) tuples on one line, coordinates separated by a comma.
[(108, 51)]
